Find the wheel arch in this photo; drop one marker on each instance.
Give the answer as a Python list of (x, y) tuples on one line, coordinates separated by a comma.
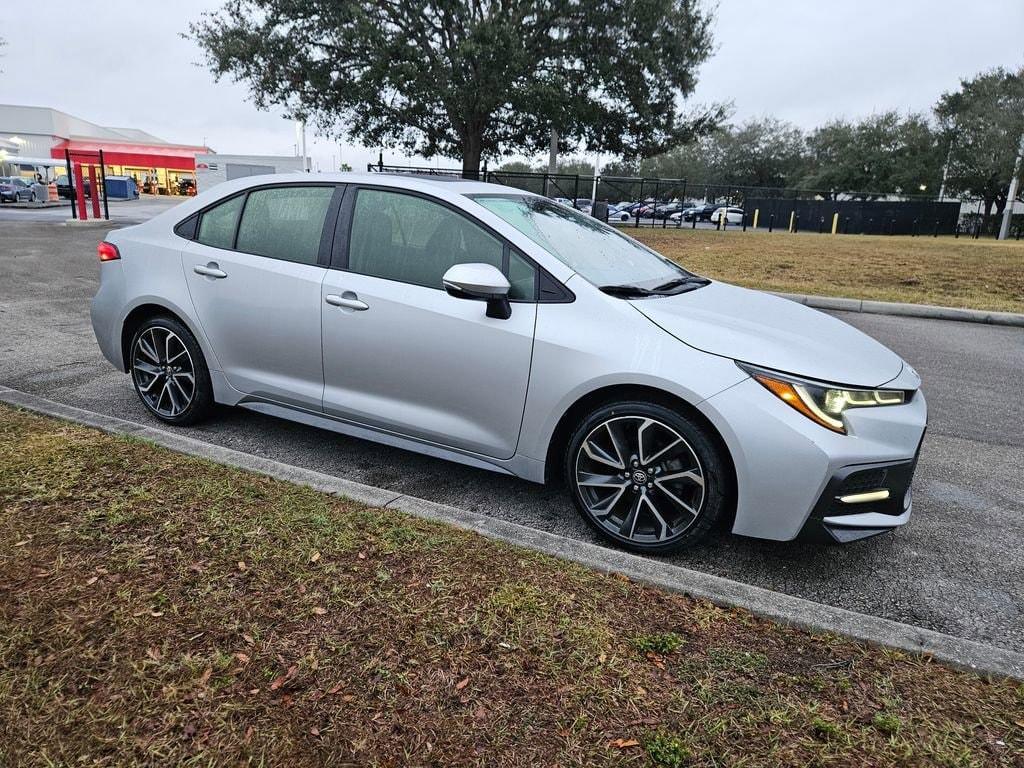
[(140, 314), (622, 392)]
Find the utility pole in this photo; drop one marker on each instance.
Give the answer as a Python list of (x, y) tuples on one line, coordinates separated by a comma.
[(300, 143), (1004, 229)]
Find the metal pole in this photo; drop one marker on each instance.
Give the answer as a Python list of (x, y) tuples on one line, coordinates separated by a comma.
[(67, 162), (103, 181), (1004, 228), (593, 189)]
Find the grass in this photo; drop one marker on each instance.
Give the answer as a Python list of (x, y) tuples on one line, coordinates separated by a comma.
[(163, 610), (977, 274)]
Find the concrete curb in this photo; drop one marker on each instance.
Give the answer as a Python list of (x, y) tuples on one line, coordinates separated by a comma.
[(929, 311), (816, 617)]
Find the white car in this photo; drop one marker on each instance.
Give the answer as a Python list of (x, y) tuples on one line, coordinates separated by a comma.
[(486, 325), (732, 215)]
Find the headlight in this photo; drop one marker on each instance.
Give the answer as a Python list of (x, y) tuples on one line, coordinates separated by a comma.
[(822, 403)]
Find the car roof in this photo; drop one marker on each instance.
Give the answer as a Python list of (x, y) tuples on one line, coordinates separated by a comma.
[(422, 181)]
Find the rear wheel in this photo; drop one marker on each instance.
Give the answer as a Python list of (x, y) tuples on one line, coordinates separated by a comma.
[(645, 477), (170, 373)]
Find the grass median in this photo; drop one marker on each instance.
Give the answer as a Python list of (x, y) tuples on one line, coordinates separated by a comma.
[(161, 609), (947, 271)]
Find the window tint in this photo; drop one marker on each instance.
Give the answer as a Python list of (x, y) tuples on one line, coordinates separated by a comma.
[(413, 240), (284, 222), (217, 225)]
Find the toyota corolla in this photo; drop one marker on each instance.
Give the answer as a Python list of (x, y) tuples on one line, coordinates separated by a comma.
[(490, 326)]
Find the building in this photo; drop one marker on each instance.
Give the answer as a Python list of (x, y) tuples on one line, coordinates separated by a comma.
[(158, 166), (213, 169)]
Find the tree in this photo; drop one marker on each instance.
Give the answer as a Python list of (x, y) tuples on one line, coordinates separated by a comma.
[(982, 124), (759, 153), (882, 154), (471, 79)]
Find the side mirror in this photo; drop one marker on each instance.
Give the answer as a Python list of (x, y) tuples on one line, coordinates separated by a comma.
[(480, 282)]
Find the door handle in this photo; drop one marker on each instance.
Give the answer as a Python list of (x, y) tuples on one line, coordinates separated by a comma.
[(210, 270), (346, 302)]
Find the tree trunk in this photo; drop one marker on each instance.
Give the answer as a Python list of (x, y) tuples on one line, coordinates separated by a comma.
[(472, 146)]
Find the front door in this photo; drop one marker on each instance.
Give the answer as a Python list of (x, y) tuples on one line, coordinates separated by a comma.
[(402, 355), (255, 284)]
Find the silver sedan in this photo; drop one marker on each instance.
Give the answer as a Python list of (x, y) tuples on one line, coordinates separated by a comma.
[(489, 326)]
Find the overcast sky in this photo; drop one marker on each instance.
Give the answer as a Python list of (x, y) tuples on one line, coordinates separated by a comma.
[(122, 62)]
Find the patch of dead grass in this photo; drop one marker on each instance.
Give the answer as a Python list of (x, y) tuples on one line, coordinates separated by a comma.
[(158, 609), (947, 271)]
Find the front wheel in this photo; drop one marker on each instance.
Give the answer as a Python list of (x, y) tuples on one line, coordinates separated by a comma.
[(170, 373), (646, 477)]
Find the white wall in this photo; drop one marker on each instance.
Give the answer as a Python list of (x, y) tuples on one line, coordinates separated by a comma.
[(216, 169)]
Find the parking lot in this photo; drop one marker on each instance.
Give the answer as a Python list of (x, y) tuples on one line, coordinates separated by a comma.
[(958, 567)]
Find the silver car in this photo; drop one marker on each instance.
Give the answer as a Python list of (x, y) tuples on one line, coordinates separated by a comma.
[(492, 327)]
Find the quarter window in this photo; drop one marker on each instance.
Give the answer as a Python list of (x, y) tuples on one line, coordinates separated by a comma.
[(217, 225), (284, 223), (413, 240)]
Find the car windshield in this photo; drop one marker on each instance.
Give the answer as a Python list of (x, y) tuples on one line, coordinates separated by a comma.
[(595, 250)]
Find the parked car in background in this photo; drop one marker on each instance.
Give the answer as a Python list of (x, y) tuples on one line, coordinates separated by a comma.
[(666, 402), (584, 205), (700, 212), (732, 215), (66, 189), (14, 189)]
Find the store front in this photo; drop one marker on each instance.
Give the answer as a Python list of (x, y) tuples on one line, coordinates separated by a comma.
[(165, 169)]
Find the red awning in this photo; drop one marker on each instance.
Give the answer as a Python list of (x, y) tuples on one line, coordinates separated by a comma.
[(177, 156)]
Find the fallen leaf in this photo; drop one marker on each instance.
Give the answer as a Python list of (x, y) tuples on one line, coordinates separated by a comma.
[(334, 690), (314, 557), (153, 652), (320, 611), (205, 677), (242, 657), (22, 543), (89, 582), (249, 639), (278, 682), (1020, 723), (315, 731), (624, 743), (242, 566), (156, 614), (362, 555), (462, 684)]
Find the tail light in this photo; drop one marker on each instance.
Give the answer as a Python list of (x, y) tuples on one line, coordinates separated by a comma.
[(107, 251)]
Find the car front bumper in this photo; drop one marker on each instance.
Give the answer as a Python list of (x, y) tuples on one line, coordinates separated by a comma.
[(791, 472)]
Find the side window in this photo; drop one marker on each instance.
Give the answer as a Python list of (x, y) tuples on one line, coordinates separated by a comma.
[(284, 222), (217, 225), (522, 276), (413, 240)]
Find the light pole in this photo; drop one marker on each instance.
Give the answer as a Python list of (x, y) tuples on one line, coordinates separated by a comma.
[(1004, 228)]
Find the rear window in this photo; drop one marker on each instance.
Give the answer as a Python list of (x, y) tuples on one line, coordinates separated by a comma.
[(285, 223), (217, 225)]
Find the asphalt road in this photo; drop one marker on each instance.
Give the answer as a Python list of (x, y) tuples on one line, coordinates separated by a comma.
[(958, 567)]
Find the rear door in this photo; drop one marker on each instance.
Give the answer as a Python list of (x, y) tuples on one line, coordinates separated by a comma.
[(402, 355), (254, 272)]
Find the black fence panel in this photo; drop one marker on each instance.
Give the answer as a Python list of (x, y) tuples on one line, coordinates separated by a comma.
[(867, 217)]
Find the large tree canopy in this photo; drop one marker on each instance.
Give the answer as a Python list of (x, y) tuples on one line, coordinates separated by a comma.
[(880, 154), (983, 123), (472, 78)]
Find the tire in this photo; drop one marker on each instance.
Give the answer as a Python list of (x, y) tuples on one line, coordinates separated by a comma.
[(668, 502), (164, 360)]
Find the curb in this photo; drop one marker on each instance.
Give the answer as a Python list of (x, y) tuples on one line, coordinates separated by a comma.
[(930, 311), (806, 614)]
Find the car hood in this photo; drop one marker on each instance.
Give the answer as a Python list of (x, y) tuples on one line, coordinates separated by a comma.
[(769, 331)]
